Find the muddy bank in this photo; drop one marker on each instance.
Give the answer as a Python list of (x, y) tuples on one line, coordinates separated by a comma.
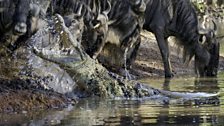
[(25, 95), (22, 95)]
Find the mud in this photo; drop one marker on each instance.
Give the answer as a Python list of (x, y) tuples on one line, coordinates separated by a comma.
[(21, 96)]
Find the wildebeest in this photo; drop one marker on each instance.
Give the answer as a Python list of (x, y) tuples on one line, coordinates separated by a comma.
[(111, 26), (15, 19), (178, 18), (123, 39)]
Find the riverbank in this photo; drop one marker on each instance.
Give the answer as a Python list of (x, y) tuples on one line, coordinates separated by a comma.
[(22, 96), (19, 95)]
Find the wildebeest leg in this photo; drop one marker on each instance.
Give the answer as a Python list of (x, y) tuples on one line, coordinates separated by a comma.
[(133, 54), (199, 70), (164, 50), (202, 58), (212, 68), (100, 44)]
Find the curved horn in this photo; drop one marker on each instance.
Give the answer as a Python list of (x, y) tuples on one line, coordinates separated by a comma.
[(97, 26), (106, 12), (79, 13), (98, 8), (93, 6), (215, 26), (94, 9), (103, 18)]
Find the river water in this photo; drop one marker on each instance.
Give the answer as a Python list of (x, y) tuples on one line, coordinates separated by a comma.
[(94, 111)]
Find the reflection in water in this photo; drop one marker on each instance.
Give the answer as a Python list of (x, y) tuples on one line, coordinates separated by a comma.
[(166, 84), (209, 85), (95, 111), (200, 85)]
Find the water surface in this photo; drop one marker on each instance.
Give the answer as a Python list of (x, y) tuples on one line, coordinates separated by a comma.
[(94, 111)]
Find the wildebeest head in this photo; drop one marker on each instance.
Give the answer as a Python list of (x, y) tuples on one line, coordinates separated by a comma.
[(100, 27), (208, 67), (24, 10)]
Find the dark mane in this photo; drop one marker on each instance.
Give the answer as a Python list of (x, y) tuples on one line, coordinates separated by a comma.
[(124, 20), (119, 8), (186, 22), (178, 18), (185, 27)]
